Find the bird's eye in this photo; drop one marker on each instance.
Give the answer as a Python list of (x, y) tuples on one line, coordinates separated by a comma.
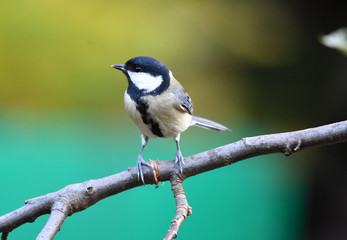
[(137, 69)]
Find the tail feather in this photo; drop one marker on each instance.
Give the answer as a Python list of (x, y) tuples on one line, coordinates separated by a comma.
[(208, 124)]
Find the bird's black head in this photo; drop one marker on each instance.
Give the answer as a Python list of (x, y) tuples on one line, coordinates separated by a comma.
[(146, 65), (146, 76)]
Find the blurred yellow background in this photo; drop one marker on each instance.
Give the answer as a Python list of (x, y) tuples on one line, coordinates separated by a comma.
[(255, 66)]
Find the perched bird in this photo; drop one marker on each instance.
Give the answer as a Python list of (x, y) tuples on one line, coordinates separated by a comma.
[(159, 105)]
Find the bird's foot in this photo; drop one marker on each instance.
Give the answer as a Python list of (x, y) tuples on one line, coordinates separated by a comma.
[(179, 160), (139, 164)]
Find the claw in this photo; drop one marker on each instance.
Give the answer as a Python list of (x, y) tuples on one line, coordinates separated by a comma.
[(179, 157), (139, 164), (179, 160), (140, 161)]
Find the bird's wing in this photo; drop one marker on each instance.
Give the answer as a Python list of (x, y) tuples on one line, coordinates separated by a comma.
[(184, 101)]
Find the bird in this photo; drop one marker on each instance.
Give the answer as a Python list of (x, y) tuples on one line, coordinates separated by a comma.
[(159, 106)]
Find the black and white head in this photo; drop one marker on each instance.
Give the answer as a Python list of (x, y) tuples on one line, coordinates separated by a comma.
[(146, 76)]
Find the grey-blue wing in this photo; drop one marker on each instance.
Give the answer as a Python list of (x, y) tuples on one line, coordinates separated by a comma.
[(184, 100)]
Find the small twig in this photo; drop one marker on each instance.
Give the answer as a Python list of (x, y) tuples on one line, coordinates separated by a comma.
[(56, 219), (4, 235), (182, 208)]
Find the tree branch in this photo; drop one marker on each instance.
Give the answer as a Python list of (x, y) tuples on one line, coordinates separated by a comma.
[(77, 197), (182, 208), (56, 219)]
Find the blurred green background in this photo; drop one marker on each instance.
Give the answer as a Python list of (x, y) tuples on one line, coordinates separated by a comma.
[(255, 66)]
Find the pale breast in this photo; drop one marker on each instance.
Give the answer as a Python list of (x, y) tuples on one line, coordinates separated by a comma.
[(130, 107), (172, 120), (159, 115)]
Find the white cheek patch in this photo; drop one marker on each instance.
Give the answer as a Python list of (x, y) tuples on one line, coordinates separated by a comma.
[(145, 81)]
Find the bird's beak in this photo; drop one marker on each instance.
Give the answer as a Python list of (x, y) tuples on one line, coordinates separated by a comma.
[(118, 66)]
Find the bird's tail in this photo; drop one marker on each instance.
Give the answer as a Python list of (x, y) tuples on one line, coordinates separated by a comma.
[(208, 124)]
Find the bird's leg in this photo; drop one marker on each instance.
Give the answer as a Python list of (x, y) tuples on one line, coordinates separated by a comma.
[(179, 158), (140, 161)]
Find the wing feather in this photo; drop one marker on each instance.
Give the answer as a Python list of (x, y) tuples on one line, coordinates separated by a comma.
[(184, 101)]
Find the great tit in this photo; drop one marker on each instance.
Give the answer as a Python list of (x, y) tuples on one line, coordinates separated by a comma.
[(159, 105)]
